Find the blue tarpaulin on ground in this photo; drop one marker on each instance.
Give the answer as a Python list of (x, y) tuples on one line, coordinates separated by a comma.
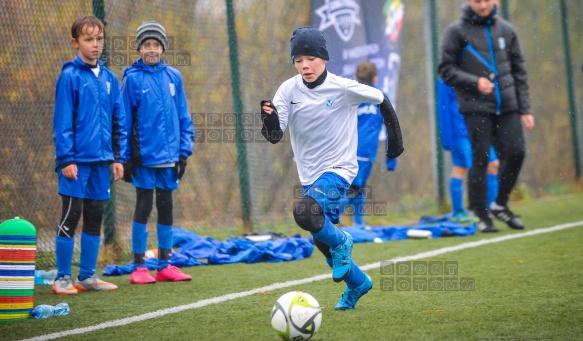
[(192, 249), (439, 227)]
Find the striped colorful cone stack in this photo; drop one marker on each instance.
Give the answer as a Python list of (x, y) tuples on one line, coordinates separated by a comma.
[(17, 262)]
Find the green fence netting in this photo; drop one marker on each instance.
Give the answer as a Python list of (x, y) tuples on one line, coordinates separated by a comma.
[(36, 42)]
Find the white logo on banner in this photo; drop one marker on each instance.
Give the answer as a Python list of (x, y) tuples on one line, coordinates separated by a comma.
[(342, 14)]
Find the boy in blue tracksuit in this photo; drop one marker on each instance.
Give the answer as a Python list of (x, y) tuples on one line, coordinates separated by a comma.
[(89, 134), (455, 138), (161, 139), (370, 123)]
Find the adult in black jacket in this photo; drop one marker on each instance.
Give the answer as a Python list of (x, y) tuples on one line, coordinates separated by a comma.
[(481, 58)]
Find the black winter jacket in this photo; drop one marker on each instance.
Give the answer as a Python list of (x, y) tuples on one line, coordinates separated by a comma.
[(467, 49)]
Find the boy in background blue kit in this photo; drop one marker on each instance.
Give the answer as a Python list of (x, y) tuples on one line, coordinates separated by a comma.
[(89, 134), (370, 123), (320, 109), (455, 138), (161, 139)]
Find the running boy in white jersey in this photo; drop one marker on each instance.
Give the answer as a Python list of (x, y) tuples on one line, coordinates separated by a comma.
[(320, 110)]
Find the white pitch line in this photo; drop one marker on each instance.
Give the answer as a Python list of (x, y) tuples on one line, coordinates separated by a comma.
[(470, 245), (275, 286)]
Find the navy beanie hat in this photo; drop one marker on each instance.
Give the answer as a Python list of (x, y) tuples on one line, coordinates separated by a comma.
[(308, 41), (151, 30)]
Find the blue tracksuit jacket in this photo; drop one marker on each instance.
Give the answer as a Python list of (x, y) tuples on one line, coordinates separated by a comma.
[(89, 120), (158, 117)]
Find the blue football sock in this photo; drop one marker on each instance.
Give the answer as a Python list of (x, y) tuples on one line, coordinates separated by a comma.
[(359, 209), (89, 252), (355, 276), (456, 191), (139, 240), (139, 237), (330, 234), (492, 181), (164, 242), (329, 262), (65, 247)]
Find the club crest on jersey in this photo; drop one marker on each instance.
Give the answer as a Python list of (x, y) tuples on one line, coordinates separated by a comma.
[(172, 89), (329, 102), (342, 14)]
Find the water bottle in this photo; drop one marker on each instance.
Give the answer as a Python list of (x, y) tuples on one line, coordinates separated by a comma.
[(44, 277), (49, 277), (45, 311), (39, 277), (61, 309)]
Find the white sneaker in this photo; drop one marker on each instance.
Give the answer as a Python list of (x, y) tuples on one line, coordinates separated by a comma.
[(64, 286), (93, 283)]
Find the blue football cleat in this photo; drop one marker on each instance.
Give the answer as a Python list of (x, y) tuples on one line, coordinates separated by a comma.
[(351, 296), (341, 258)]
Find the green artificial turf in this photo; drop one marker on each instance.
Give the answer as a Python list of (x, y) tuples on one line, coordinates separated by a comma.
[(528, 287)]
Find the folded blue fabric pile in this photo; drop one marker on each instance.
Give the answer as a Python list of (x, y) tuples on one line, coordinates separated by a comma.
[(192, 249), (438, 226)]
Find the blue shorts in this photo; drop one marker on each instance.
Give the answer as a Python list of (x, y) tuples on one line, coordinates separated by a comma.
[(329, 190), (92, 182), (461, 155), (364, 169), (149, 177), (391, 164)]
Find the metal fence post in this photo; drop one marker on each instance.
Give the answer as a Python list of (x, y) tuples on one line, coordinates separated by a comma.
[(438, 162), (573, 113), (238, 106), (504, 9)]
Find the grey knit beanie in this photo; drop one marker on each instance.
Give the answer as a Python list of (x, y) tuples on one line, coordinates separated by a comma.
[(308, 41), (151, 30)]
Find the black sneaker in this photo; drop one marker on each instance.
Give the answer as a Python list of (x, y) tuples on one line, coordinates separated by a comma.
[(487, 226), (471, 212), (508, 217)]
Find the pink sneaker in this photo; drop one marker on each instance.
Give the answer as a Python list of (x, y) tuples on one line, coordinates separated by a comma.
[(171, 274), (141, 276)]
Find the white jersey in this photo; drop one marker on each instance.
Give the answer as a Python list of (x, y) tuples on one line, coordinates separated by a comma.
[(323, 124)]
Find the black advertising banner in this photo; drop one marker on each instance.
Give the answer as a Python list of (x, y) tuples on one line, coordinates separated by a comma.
[(359, 30)]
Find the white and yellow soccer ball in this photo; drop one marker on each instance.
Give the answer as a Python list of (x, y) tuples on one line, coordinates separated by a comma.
[(296, 316)]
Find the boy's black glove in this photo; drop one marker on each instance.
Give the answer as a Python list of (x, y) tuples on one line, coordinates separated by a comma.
[(271, 129), (128, 171), (180, 167)]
